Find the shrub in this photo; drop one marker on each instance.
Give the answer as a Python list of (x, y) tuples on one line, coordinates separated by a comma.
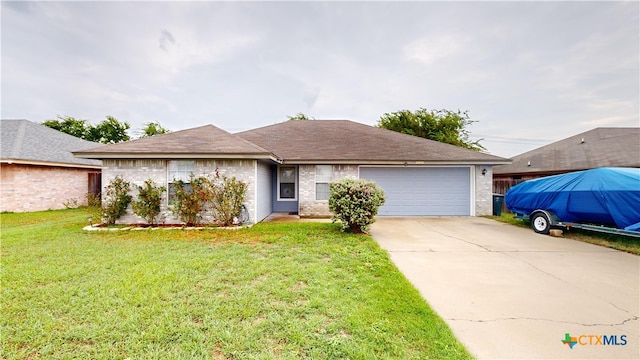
[(94, 207), (117, 199), (191, 199), (355, 202), (149, 199), (71, 203), (228, 196)]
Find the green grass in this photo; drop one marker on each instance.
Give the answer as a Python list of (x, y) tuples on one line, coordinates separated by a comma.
[(618, 242), (274, 291)]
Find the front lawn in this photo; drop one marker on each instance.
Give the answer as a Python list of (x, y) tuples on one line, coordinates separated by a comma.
[(277, 290)]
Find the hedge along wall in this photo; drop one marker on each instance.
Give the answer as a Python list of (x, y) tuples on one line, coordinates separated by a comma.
[(137, 171)]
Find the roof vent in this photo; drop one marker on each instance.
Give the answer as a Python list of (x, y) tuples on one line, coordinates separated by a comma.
[(582, 141), (528, 163)]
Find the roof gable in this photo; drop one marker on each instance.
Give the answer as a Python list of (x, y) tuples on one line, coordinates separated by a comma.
[(201, 141), (347, 141), (23, 141), (600, 147)]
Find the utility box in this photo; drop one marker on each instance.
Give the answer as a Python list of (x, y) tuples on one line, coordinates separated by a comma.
[(498, 200)]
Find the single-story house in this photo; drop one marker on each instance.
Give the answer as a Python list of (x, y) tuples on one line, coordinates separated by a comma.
[(600, 147), (38, 170), (288, 166)]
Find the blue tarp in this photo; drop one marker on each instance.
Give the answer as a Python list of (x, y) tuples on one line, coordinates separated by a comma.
[(607, 196)]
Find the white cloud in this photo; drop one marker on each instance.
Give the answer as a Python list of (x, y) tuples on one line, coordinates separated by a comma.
[(524, 69), (189, 50), (432, 48)]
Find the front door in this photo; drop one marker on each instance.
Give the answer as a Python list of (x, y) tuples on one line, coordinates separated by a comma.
[(285, 189)]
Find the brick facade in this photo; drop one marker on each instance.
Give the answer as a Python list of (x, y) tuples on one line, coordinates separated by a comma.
[(37, 188), (137, 171), (309, 206), (483, 190)]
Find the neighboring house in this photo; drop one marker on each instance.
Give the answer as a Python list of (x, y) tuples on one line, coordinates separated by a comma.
[(600, 147), (288, 166), (38, 170)]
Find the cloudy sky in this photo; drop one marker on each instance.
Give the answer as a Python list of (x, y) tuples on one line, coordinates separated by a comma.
[(528, 72)]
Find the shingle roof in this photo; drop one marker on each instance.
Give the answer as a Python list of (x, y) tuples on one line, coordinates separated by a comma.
[(347, 141), (600, 147), (203, 141), (337, 141), (23, 141)]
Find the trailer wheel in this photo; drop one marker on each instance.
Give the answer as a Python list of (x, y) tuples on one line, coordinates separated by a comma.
[(540, 223)]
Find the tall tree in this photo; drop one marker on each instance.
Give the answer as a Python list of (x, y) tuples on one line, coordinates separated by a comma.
[(69, 125), (109, 131), (153, 128), (440, 125)]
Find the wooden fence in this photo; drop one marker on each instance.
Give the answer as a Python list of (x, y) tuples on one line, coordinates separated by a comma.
[(95, 183), (500, 186)]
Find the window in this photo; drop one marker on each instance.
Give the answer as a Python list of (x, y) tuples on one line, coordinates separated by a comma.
[(179, 170), (287, 183), (324, 175)]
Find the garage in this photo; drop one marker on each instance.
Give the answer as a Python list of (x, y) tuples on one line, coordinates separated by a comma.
[(430, 191)]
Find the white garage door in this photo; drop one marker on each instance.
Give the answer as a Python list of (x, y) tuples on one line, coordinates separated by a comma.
[(422, 191)]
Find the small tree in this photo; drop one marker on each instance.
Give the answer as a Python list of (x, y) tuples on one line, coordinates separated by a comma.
[(149, 199), (152, 128), (228, 196), (117, 199), (191, 199), (355, 203), (299, 116)]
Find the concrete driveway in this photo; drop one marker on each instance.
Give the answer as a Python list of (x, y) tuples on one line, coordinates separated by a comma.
[(509, 293)]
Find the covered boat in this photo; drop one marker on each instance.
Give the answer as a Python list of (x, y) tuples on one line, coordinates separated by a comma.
[(606, 196)]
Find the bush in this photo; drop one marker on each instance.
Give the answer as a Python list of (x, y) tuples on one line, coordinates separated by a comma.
[(228, 197), (71, 203), (191, 199), (355, 202), (117, 200), (149, 200), (94, 207)]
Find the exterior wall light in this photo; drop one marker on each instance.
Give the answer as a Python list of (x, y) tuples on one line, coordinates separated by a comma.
[(484, 172)]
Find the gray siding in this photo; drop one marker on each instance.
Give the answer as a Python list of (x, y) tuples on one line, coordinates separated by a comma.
[(263, 191)]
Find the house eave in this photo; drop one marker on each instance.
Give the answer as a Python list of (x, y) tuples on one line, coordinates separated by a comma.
[(257, 156), (394, 162), (548, 172), (49, 163), (535, 173)]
